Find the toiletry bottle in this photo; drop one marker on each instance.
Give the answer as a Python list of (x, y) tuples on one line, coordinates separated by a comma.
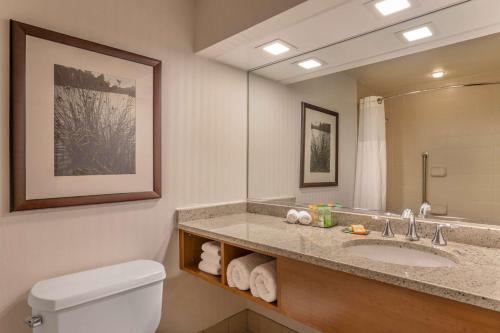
[(321, 216), (314, 213), (327, 216)]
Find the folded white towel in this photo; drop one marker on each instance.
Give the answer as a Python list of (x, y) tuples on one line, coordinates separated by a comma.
[(263, 281), (239, 269), (305, 218), (211, 247), (292, 216), (209, 268), (211, 257)]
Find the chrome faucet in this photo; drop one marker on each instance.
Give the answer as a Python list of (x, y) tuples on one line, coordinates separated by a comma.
[(425, 209), (409, 216), (438, 238)]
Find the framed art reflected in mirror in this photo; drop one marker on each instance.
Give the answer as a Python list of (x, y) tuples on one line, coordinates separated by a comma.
[(319, 147), (85, 122)]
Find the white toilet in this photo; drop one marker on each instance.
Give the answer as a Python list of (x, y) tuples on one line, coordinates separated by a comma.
[(124, 298)]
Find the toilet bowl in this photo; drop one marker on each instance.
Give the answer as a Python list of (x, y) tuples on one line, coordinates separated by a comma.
[(125, 298)]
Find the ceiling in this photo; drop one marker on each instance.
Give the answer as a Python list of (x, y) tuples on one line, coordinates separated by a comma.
[(359, 36), (307, 26), (463, 62), (465, 21)]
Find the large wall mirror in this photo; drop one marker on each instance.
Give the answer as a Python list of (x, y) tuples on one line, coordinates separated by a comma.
[(415, 128)]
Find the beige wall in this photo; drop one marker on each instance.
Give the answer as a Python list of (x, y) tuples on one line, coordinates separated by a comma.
[(460, 128), (364, 91), (274, 132), (204, 104), (219, 19)]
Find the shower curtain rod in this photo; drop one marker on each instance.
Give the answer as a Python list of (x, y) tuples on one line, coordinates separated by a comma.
[(381, 99)]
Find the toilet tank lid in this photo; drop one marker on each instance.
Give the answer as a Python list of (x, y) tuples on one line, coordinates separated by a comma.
[(78, 288)]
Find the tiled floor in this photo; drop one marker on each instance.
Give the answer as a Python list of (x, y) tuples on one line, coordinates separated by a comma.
[(248, 322)]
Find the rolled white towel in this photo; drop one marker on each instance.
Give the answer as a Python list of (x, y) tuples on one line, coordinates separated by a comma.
[(263, 281), (292, 216), (211, 247), (305, 218), (209, 267), (239, 269), (211, 258)]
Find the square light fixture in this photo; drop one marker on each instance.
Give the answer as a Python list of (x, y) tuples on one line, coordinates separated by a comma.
[(310, 63), (276, 47), (417, 33), (437, 74), (388, 7)]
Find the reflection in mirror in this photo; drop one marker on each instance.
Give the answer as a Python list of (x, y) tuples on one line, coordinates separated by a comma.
[(422, 128), (275, 137)]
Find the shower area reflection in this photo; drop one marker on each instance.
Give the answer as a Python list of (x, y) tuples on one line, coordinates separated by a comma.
[(419, 125), (459, 129)]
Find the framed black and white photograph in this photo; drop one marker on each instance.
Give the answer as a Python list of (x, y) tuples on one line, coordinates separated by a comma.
[(85, 122), (319, 147)]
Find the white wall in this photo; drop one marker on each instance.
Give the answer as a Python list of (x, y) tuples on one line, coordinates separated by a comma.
[(203, 148), (274, 139), (274, 127), (220, 19)]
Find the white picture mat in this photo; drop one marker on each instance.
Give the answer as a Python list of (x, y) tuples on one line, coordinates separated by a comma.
[(311, 116), (41, 55)]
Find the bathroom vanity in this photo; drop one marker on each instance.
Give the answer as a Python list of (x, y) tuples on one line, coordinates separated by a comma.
[(325, 285)]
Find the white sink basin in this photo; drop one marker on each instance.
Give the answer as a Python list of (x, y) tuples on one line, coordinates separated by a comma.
[(400, 253)]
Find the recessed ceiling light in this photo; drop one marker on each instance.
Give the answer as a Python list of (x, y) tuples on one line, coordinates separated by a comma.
[(437, 74), (417, 33), (310, 63), (276, 47), (388, 7)]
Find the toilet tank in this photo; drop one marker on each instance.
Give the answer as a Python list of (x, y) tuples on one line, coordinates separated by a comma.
[(125, 298)]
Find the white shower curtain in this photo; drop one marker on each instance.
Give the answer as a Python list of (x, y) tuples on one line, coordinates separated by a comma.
[(371, 162)]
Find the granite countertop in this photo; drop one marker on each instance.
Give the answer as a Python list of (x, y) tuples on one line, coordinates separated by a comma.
[(475, 279)]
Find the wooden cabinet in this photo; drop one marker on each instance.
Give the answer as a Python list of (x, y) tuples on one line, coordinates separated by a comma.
[(333, 301), (337, 302)]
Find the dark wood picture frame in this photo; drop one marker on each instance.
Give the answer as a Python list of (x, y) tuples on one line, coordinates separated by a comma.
[(303, 184), (18, 33)]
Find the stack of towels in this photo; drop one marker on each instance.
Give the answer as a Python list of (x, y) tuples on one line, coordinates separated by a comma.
[(302, 217), (256, 272), (210, 258)]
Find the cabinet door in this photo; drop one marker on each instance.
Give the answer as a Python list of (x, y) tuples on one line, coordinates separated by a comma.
[(337, 302)]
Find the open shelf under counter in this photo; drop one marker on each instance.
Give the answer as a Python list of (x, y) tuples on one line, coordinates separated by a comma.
[(214, 279), (190, 256), (190, 252), (248, 295), (230, 252)]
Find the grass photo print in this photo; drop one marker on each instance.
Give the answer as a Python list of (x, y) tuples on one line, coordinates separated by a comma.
[(94, 123), (319, 147), (85, 121)]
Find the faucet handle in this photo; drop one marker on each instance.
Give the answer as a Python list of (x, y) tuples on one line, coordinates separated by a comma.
[(425, 209), (407, 213), (438, 238)]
